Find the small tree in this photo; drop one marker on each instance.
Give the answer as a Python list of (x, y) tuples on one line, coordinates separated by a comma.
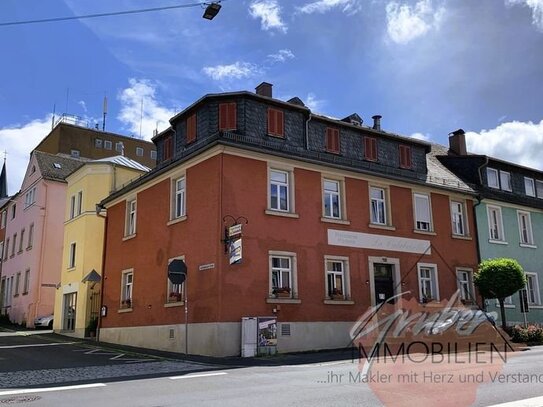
[(500, 278)]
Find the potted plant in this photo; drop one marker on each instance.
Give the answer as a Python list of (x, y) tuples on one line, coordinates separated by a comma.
[(281, 292), (126, 303), (174, 297), (92, 326), (337, 294)]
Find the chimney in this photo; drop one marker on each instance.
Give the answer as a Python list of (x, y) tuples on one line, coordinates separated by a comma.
[(377, 122), (264, 89), (457, 142)]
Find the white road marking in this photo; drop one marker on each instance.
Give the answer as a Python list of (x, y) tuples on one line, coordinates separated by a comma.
[(25, 333), (198, 375), (48, 389), (35, 345), (534, 402)]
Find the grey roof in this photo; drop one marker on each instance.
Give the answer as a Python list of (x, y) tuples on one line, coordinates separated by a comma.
[(125, 162), (56, 167), (439, 175)]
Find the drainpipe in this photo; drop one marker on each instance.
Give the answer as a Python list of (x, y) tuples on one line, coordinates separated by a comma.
[(42, 251), (476, 232), (99, 208), (307, 131)]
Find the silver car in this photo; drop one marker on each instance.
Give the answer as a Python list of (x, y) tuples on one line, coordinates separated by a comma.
[(44, 322)]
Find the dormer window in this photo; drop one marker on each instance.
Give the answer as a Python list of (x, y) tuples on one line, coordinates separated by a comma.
[(505, 181), (492, 178), (227, 116), (275, 122), (405, 157), (529, 186), (168, 148), (191, 128), (370, 148), (332, 140)]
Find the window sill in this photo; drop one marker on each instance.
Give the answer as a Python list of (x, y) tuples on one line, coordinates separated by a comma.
[(12, 256), (534, 306), (338, 302), (25, 293), (72, 268), (16, 295), (506, 305), (283, 301), (338, 221), (129, 237), (177, 220), (279, 213), (29, 248), (174, 304), (497, 242), (378, 226), (461, 237), (279, 136), (125, 310), (529, 246), (432, 304), (19, 252), (424, 232)]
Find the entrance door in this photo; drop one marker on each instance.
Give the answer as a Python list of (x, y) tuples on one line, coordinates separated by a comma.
[(383, 282), (70, 301)]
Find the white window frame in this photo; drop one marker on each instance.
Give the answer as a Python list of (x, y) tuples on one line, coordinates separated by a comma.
[(72, 207), (293, 272), (433, 279), (17, 283), (280, 184), (79, 203), (98, 143), (505, 184), (127, 288), (174, 289), (72, 255), (139, 151), (75, 153), (131, 216), (21, 240), (345, 292), (108, 144), (464, 285), (419, 223), (26, 284), (3, 218), (536, 300), (499, 224), (30, 197), (329, 195), (180, 197), (528, 239), (153, 155), (119, 147), (458, 218), (495, 175), (529, 183), (378, 203), (30, 236)]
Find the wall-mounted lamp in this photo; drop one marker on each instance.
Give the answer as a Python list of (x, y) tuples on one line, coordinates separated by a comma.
[(211, 10)]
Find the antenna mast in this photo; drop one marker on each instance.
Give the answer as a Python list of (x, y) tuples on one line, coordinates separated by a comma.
[(104, 114)]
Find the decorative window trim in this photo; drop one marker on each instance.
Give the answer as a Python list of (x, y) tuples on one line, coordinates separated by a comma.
[(529, 230), (340, 193), (464, 218), (537, 291), (499, 224), (345, 293), (290, 189), (388, 210), (284, 296), (434, 272)]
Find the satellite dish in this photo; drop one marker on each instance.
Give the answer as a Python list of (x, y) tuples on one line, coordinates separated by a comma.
[(177, 271)]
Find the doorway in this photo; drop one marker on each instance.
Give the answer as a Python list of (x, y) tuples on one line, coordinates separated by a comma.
[(70, 302), (383, 282)]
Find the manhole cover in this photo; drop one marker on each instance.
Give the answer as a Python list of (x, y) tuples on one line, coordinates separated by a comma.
[(19, 399)]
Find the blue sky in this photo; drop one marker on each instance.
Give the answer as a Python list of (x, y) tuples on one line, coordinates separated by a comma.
[(427, 66)]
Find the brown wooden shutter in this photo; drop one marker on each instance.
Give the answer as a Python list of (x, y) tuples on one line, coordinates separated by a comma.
[(332, 140), (280, 127), (223, 115), (370, 148), (275, 122), (405, 157), (168, 144), (271, 121), (191, 128), (231, 121)]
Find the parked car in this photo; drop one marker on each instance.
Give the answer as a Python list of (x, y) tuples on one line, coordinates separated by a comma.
[(44, 322)]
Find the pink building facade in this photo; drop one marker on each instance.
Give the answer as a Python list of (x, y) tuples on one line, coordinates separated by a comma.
[(32, 253)]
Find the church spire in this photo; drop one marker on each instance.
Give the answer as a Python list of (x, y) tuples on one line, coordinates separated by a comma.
[(3, 181)]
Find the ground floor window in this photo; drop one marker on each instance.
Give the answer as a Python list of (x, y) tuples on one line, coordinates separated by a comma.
[(428, 285), (283, 279), (336, 268), (532, 287), (464, 279), (127, 280)]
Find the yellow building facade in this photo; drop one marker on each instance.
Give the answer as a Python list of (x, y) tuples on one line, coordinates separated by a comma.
[(78, 296)]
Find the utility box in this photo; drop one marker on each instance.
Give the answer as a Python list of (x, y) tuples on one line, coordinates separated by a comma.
[(249, 335)]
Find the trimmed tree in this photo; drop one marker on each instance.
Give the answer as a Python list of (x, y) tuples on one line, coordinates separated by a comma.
[(499, 278)]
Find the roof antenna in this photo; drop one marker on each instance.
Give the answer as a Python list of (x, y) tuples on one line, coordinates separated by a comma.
[(104, 114), (141, 115)]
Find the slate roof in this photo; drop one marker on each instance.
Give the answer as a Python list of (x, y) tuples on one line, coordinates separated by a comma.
[(439, 175), (56, 167), (125, 162)]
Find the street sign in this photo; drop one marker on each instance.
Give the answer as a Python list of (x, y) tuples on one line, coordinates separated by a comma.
[(524, 301), (235, 251), (177, 271), (234, 230)]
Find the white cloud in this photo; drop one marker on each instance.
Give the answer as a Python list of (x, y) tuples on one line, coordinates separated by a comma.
[(405, 23), (322, 6), (269, 13), (420, 136), (141, 110), (19, 141), (537, 10), (519, 142), (313, 103), (237, 70), (281, 56)]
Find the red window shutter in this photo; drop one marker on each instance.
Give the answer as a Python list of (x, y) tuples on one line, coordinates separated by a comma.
[(275, 122), (332, 140), (168, 148), (405, 157), (370, 148), (223, 115), (191, 128), (280, 127), (271, 121), (231, 116)]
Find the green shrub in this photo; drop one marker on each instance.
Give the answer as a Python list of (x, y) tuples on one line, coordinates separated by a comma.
[(532, 334)]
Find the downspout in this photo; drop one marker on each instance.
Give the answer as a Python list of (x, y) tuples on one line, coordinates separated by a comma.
[(42, 251), (99, 209), (307, 131), (476, 231)]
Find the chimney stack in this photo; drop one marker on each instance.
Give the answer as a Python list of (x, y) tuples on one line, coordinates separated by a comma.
[(457, 142), (377, 122), (264, 89)]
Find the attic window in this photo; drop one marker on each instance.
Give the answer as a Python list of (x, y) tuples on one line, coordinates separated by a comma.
[(57, 165)]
